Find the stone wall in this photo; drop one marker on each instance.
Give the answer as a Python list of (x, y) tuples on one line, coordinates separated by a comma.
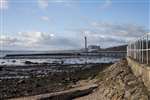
[(140, 70)]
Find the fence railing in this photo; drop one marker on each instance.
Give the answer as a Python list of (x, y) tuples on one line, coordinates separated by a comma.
[(140, 49)]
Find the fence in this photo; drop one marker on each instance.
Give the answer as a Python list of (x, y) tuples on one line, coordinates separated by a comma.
[(139, 49)]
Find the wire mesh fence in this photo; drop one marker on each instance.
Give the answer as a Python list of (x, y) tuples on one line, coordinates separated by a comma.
[(139, 49)]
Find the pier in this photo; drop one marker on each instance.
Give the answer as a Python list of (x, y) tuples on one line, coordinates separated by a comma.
[(115, 54)]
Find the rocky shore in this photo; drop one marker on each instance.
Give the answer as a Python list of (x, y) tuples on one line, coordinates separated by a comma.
[(93, 82), (59, 78)]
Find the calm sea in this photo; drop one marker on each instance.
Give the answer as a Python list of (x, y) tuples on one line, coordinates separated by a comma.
[(4, 53)]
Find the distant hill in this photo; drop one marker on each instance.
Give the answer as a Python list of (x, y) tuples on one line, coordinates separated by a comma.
[(116, 48)]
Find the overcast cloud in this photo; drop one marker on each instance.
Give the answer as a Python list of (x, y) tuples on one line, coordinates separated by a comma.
[(104, 34), (39, 40)]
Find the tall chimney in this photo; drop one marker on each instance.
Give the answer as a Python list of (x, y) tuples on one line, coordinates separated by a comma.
[(85, 43)]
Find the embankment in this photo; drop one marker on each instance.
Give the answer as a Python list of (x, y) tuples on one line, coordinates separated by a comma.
[(118, 83), (141, 71)]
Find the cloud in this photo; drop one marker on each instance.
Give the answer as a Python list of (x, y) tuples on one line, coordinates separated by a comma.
[(108, 34), (59, 1), (124, 30), (103, 5), (107, 4), (45, 18), (7, 40), (104, 34), (26, 39), (33, 39), (3, 4), (38, 41), (61, 42), (43, 3), (65, 3), (104, 40)]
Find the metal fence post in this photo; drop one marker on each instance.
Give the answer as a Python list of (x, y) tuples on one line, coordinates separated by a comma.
[(142, 49), (147, 49)]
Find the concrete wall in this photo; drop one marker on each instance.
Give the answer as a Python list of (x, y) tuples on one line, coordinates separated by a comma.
[(140, 70)]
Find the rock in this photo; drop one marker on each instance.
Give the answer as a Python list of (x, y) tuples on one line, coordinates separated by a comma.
[(28, 62), (13, 61), (127, 95), (132, 83), (115, 97), (2, 62), (144, 97), (21, 82), (1, 68)]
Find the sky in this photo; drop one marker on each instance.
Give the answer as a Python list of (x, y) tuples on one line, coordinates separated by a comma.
[(62, 24)]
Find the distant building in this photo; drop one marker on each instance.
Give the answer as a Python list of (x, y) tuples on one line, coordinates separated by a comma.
[(92, 48)]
